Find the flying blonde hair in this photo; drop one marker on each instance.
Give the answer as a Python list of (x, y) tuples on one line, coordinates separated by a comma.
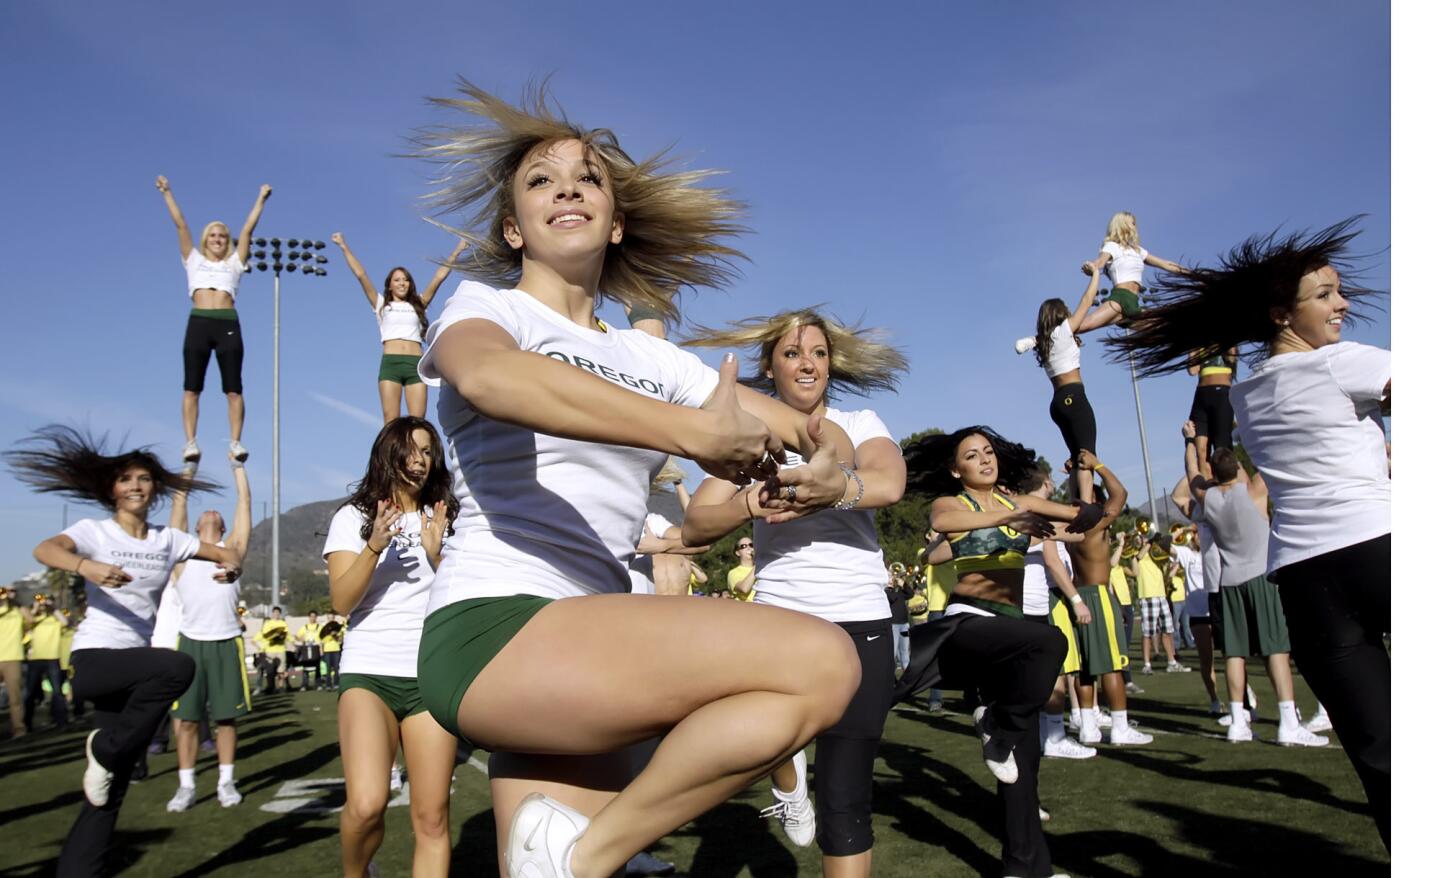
[(205, 233), (859, 361), (1122, 230), (673, 227)]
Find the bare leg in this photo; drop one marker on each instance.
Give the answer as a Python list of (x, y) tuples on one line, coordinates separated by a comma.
[(368, 736), (1056, 703), (225, 741), (187, 743), (236, 404), (1169, 642), (431, 763), (1206, 647), (1279, 667), (1235, 678), (415, 398), (1085, 693), (1114, 685), (390, 400), (853, 866), (1202, 454), (190, 412), (1145, 646), (638, 666), (783, 778)]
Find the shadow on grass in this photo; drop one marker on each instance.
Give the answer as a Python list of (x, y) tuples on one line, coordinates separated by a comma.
[(733, 838), (942, 786), (476, 853)]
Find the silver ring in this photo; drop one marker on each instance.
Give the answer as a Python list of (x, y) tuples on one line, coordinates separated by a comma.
[(790, 493)]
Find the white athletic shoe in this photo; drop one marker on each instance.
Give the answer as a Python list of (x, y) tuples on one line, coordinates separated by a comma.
[(1025, 345), (543, 833), (227, 794), (1239, 733), (1068, 748), (191, 452), (97, 778), (183, 800), (1299, 736), (1176, 668), (793, 809), (1044, 816), (1147, 670), (372, 870), (238, 451), (1132, 689), (1320, 722), (1105, 720), (396, 782), (1128, 737), (1006, 771), (1226, 720)]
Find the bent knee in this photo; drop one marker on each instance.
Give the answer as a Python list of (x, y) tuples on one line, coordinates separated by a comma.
[(430, 823), (367, 809), (834, 667)]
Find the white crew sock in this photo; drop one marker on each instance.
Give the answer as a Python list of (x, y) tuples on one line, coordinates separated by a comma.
[(1052, 728), (187, 777), (1289, 719), (1089, 718), (1076, 717), (227, 773), (1119, 720), (1238, 716)]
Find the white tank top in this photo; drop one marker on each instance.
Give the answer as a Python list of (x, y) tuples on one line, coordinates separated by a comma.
[(398, 321), (203, 274), (1064, 351), (207, 607)]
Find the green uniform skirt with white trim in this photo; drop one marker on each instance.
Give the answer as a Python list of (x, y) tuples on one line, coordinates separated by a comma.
[(1102, 650), (1252, 621)]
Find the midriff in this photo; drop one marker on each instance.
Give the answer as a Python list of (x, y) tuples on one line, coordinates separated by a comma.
[(401, 346), (209, 299), (1000, 586)]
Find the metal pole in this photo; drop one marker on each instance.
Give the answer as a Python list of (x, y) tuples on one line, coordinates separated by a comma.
[(1161, 522), (275, 459)]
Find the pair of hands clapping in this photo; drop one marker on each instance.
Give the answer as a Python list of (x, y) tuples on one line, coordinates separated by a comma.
[(387, 525)]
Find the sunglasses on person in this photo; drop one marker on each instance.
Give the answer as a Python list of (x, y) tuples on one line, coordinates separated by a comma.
[(744, 545)]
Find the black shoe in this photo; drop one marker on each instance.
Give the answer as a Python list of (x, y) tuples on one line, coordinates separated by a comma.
[(645, 863)]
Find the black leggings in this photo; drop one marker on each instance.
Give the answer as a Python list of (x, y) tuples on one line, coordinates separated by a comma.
[(845, 753), (1337, 606), (1213, 416), (1014, 664), (131, 689), (206, 334), (1071, 412)]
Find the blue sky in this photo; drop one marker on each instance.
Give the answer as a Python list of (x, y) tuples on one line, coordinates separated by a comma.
[(937, 171)]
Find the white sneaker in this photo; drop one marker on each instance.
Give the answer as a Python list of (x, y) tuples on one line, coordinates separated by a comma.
[(1147, 670), (1176, 668), (1320, 722), (1025, 345), (183, 800), (543, 833), (1006, 771), (1105, 720), (1239, 733), (1128, 737), (1068, 748), (1132, 689), (1299, 736), (1226, 719), (396, 782), (793, 809), (372, 870), (97, 778), (238, 451), (227, 794), (1044, 816), (191, 452)]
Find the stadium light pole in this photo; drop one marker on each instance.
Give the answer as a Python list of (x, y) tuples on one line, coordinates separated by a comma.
[(1155, 512), (268, 262)]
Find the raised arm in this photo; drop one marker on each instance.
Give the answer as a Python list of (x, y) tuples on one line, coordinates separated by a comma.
[(1180, 496), (1081, 319), (242, 246), (1173, 267), (240, 536), (358, 270), (1194, 473), (1115, 492), (180, 501), (186, 242), (441, 273), (701, 578)]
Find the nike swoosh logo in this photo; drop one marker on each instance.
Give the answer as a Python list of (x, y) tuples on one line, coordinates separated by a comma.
[(872, 637), (530, 839)]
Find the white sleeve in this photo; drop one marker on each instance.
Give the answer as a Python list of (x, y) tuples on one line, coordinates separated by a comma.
[(344, 535), (183, 545), (1113, 249), (86, 535), (472, 300), (866, 425), (690, 381), (1144, 254), (1360, 370), (658, 524)]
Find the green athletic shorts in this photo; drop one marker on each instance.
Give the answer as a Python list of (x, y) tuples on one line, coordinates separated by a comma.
[(1252, 622), (1101, 649), (400, 368), (400, 694), (215, 313), (1060, 618), (1128, 301), (220, 688), (459, 641)]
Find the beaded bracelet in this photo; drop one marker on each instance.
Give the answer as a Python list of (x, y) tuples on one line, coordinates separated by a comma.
[(842, 504)]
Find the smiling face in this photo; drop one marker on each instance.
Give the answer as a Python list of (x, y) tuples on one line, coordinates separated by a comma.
[(134, 491), (745, 549), (398, 283), (800, 368), (215, 242), (1318, 313), (564, 206), (976, 465)]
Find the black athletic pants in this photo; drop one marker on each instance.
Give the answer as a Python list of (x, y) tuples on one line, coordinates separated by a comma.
[(845, 752), (131, 689), (1071, 412), (36, 672), (1337, 606), (1014, 664)]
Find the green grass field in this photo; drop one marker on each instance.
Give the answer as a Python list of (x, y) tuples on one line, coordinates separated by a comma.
[(1188, 804)]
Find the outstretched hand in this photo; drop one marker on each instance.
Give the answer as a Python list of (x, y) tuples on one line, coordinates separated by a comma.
[(265, 191), (338, 239), (432, 528), (736, 445), (162, 183), (1188, 429), (817, 484), (1029, 523), (384, 526)]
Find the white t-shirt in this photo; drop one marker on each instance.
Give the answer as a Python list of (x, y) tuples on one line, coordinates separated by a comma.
[(1197, 600), (1126, 265), (124, 617), (541, 515), (207, 605), (398, 321), (167, 620), (642, 567), (383, 637), (1064, 351), (1311, 423), (203, 274), (1038, 581), (828, 564)]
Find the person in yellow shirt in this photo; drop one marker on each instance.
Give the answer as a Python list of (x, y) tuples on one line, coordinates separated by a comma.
[(332, 639), (939, 582), (272, 639), (43, 664), (697, 577), (741, 578), (308, 640), (1155, 620), (1179, 536), (12, 656)]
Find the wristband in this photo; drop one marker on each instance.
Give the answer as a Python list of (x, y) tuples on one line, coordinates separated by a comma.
[(748, 513), (1098, 467), (842, 504), (1076, 599)]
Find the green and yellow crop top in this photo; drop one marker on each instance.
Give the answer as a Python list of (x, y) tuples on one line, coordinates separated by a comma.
[(1216, 365), (988, 548)]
